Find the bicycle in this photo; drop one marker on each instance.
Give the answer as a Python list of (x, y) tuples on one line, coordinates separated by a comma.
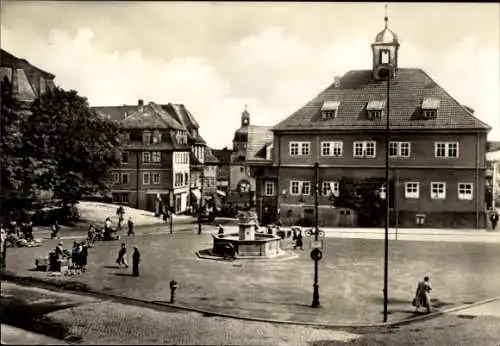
[(312, 232)]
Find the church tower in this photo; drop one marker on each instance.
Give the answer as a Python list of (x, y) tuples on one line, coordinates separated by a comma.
[(385, 53), (245, 118)]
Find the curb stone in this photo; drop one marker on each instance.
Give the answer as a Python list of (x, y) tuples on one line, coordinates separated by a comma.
[(23, 280)]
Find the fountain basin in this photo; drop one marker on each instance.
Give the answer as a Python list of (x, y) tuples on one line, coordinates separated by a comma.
[(263, 245)]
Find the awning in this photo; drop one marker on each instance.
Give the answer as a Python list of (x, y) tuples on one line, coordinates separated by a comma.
[(196, 193), (221, 193)]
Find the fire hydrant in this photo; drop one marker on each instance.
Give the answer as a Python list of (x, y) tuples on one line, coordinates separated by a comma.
[(173, 287)]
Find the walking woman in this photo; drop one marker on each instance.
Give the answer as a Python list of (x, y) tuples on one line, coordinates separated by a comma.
[(422, 295), (136, 257)]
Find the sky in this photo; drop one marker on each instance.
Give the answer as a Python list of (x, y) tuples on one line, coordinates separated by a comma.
[(217, 57)]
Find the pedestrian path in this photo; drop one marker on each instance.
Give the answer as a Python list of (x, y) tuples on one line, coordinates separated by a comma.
[(488, 309), (15, 336)]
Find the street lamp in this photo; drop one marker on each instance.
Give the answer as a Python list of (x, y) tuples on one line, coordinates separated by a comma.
[(201, 200), (315, 302), (386, 238)]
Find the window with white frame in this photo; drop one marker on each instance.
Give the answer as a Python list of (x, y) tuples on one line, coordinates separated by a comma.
[(156, 178), (146, 178), (146, 157), (412, 190), (269, 188), (306, 188), (125, 179), (446, 149), (364, 149), (330, 187), (116, 178), (331, 148), (465, 191), (300, 148), (399, 149), (438, 190), (156, 156), (300, 187)]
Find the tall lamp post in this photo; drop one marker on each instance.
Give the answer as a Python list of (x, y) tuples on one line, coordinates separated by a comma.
[(386, 238), (201, 201), (315, 302)]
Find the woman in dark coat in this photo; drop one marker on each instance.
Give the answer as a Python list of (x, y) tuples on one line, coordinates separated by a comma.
[(83, 256), (136, 256), (298, 241)]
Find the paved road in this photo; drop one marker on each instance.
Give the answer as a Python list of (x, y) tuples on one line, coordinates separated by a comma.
[(420, 234), (98, 321), (489, 309)]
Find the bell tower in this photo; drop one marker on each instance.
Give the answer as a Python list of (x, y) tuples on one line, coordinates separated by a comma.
[(385, 52), (245, 118)]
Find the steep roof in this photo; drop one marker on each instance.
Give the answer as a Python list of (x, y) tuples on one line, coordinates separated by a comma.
[(258, 138), (408, 90), (117, 113), (9, 60), (210, 157), (182, 115), (492, 146), (223, 155), (151, 116)]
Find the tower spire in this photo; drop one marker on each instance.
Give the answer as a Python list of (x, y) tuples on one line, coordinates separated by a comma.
[(386, 18)]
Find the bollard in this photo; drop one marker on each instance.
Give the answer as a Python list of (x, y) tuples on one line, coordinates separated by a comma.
[(173, 287)]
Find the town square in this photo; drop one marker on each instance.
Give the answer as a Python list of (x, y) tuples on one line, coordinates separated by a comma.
[(205, 189)]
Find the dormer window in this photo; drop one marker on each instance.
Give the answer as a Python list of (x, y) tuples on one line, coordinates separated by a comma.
[(375, 109), (146, 137), (329, 110), (430, 108)]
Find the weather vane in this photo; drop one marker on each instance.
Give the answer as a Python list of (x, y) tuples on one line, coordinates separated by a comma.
[(386, 18)]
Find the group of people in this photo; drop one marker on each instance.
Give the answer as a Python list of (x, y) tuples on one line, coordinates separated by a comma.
[(18, 234), (122, 259), (79, 256)]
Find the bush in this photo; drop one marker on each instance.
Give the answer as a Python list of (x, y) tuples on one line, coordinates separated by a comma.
[(47, 216)]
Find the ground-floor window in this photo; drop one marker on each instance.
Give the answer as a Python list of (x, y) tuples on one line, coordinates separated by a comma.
[(412, 190), (438, 190), (465, 191), (121, 197)]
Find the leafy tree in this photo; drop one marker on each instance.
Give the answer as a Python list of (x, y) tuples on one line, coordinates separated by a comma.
[(364, 197), (76, 145), (17, 188)]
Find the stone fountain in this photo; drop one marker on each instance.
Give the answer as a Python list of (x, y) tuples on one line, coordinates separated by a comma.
[(247, 243)]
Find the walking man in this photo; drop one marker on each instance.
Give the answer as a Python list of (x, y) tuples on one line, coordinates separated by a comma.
[(136, 256), (494, 220), (122, 259), (120, 211), (130, 224)]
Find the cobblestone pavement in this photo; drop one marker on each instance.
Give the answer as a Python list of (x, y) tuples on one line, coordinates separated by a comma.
[(107, 322), (350, 275), (17, 336)]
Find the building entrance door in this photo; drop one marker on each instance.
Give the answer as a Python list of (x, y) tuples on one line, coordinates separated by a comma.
[(345, 218)]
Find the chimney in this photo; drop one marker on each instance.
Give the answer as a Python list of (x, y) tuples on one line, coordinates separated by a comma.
[(336, 81), (140, 103)]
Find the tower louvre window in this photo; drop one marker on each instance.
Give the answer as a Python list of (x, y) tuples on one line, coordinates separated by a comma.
[(385, 56), (329, 110)]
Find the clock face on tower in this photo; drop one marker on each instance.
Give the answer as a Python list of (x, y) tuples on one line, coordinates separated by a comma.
[(382, 72), (245, 122)]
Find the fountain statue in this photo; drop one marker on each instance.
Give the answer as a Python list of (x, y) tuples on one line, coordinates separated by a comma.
[(247, 243)]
